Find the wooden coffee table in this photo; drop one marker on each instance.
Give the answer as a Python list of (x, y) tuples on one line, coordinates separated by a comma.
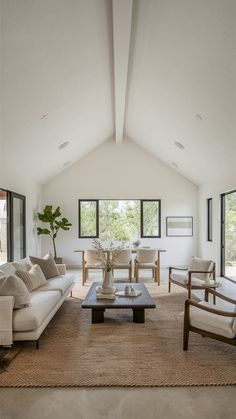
[(137, 304)]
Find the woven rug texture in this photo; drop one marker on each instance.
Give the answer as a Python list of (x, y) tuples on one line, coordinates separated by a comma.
[(75, 353)]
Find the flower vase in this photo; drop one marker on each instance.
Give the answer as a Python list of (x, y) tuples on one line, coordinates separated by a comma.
[(107, 285)]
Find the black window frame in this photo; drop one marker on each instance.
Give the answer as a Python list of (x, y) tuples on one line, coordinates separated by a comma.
[(222, 234), (209, 219), (10, 224), (97, 218), (142, 235), (141, 201)]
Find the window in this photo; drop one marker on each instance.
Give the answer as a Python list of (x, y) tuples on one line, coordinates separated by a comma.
[(88, 218), (209, 219), (119, 219), (12, 226), (150, 218), (228, 235)]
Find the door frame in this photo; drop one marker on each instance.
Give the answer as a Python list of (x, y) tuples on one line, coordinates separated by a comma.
[(10, 223), (222, 234)]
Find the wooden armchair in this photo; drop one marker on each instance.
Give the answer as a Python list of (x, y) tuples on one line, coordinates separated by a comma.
[(195, 275), (209, 321)]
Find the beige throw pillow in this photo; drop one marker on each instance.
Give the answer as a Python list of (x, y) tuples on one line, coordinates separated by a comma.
[(47, 264), (14, 286), (33, 279)]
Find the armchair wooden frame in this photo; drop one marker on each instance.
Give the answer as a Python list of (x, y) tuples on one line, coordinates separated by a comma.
[(188, 328), (189, 285)]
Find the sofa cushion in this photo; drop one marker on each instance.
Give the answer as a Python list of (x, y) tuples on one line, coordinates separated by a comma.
[(211, 322), (60, 283), (33, 279), (47, 264), (30, 318), (13, 286)]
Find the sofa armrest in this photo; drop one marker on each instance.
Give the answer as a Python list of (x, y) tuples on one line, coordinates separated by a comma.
[(61, 268), (6, 311)]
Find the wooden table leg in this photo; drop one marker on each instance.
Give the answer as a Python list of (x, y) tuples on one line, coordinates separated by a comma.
[(138, 315), (83, 269), (158, 267), (98, 315)]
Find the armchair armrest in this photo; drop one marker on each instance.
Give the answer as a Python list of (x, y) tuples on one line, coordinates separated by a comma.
[(193, 303), (6, 310), (61, 268), (201, 272), (217, 294), (176, 269)]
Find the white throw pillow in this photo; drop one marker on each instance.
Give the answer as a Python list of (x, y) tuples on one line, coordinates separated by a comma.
[(14, 286), (21, 266), (33, 279), (47, 264)]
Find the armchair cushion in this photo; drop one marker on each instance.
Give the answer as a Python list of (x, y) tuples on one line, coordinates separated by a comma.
[(183, 280), (200, 265), (211, 322)]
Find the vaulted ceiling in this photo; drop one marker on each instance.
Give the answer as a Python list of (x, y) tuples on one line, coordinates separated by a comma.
[(83, 71)]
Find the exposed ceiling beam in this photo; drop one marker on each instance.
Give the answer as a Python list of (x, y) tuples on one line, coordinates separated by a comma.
[(122, 19)]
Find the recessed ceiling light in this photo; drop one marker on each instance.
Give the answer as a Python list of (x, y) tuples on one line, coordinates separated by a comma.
[(44, 116), (179, 145), (174, 164), (66, 163), (63, 145), (199, 116)]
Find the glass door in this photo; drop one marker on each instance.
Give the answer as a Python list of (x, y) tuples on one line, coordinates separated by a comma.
[(228, 235), (3, 226), (17, 223)]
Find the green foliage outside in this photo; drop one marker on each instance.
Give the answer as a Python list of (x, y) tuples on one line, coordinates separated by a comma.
[(230, 229), (88, 218), (150, 218), (55, 224), (119, 220)]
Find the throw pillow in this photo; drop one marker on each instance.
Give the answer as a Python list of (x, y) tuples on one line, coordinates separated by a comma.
[(14, 286), (200, 265), (33, 279), (21, 266), (47, 264)]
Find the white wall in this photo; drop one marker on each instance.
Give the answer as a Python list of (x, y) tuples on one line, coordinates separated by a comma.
[(211, 250), (126, 171)]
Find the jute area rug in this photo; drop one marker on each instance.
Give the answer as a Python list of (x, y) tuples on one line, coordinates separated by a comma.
[(75, 353)]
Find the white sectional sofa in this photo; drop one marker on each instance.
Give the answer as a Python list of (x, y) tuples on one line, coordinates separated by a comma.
[(28, 323)]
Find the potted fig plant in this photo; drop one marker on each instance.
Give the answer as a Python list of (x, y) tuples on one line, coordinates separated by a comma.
[(53, 218)]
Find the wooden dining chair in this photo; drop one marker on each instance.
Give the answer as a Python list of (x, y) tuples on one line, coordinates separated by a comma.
[(90, 262), (147, 259), (124, 261)]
